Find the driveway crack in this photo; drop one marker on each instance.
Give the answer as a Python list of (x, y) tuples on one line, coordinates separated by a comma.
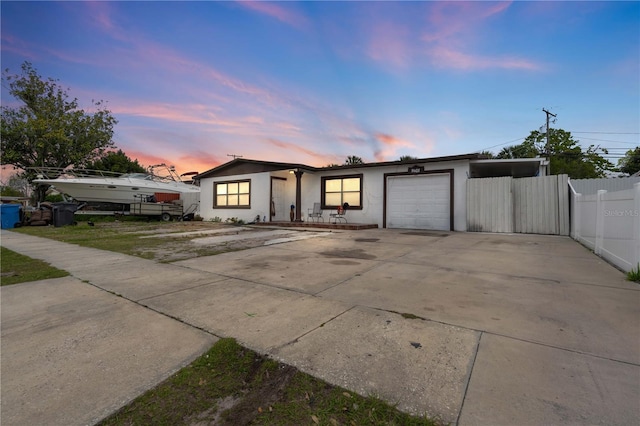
[(466, 389)]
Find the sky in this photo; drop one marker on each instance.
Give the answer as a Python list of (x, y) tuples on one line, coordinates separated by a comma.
[(193, 84)]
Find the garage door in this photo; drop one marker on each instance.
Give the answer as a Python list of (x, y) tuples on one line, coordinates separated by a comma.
[(419, 202)]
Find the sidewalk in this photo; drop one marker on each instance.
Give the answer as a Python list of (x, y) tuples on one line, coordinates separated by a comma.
[(538, 344)]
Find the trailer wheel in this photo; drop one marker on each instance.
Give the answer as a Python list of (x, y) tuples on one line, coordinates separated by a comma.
[(166, 216)]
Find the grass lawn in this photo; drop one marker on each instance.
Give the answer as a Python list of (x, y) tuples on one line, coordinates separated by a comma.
[(17, 268), (231, 385)]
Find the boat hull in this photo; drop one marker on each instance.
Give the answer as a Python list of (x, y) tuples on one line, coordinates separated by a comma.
[(115, 190)]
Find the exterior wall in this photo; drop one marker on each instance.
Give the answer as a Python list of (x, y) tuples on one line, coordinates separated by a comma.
[(609, 224), (372, 190), (260, 197)]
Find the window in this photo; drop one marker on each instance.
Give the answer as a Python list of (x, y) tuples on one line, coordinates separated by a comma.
[(233, 194), (342, 189)]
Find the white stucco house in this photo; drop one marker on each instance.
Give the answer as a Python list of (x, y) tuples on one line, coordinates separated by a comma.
[(428, 193)]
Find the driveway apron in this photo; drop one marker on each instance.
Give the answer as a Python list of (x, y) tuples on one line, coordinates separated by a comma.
[(467, 328)]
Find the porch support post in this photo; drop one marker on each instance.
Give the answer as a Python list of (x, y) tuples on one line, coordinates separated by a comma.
[(298, 174)]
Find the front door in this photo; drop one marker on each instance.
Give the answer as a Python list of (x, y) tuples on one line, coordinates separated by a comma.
[(279, 211)]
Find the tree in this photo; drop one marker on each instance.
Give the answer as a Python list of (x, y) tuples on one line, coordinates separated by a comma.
[(9, 191), (353, 160), (630, 163), (407, 158), (526, 149), (15, 186), (116, 161), (564, 153), (49, 129), (487, 154)]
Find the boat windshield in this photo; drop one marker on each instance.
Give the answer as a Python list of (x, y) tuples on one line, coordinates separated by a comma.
[(138, 176)]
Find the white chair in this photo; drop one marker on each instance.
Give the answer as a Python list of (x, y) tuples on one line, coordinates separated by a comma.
[(316, 212)]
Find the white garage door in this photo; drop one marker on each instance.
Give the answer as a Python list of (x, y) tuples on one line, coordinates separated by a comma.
[(419, 202)]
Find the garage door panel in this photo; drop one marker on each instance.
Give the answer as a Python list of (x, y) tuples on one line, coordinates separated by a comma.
[(419, 202)]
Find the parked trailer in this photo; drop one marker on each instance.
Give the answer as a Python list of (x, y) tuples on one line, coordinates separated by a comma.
[(166, 211)]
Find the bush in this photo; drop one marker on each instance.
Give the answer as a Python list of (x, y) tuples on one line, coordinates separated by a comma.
[(54, 198)]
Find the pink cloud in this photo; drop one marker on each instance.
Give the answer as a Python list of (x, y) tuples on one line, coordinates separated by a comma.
[(449, 18), (282, 14), (389, 43), (454, 26), (100, 13), (193, 161), (449, 31), (391, 140), (19, 47), (445, 57), (390, 145), (317, 158)]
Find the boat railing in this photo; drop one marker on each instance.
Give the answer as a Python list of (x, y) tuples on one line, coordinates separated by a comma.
[(71, 173), (159, 172)]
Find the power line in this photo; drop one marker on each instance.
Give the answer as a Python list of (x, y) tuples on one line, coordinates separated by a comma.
[(609, 140), (504, 143), (612, 133)]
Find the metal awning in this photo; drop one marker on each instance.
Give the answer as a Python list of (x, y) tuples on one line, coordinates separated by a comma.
[(516, 167)]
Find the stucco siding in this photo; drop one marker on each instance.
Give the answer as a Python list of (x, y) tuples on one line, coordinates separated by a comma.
[(373, 204)]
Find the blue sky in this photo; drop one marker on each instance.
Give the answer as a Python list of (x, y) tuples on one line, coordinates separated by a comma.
[(315, 82)]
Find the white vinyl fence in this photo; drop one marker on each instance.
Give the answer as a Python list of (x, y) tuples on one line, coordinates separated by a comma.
[(536, 205), (609, 224)]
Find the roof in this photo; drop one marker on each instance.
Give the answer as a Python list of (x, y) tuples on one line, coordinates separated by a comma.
[(239, 166)]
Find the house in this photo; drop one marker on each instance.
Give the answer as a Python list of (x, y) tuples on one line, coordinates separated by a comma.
[(428, 193)]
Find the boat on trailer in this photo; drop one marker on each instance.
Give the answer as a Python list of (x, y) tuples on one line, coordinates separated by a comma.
[(98, 186)]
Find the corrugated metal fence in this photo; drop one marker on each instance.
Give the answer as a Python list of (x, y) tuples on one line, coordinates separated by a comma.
[(538, 205)]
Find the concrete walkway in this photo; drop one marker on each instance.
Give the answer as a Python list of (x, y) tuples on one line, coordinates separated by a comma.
[(469, 328)]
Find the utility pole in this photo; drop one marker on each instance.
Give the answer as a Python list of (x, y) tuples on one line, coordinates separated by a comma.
[(548, 152), (234, 156)]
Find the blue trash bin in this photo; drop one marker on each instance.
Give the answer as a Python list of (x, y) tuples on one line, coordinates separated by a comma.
[(9, 215)]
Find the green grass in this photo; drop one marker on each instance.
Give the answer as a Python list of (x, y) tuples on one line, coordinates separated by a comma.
[(20, 269), (101, 237), (263, 392), (123, 235), (634, 274)]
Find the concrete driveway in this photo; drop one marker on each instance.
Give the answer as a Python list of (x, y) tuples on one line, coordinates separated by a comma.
[(469, 328)]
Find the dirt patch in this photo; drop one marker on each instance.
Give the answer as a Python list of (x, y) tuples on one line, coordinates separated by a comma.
[(426, 234), (351, 254), (172, 246), (261, 397)]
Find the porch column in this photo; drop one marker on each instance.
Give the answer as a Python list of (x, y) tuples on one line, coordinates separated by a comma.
[(298, 174)]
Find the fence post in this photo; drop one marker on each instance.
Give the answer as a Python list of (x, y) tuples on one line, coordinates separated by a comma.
[(577, 209), (636, 224), (599, 222)]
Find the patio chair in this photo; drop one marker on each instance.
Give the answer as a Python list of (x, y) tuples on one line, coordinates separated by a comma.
[(340, 214), (316, 212)]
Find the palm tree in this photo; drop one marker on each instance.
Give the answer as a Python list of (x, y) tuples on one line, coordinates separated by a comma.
[(353, 160)]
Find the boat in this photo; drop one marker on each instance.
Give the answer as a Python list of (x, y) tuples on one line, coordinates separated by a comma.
[(97, 186)]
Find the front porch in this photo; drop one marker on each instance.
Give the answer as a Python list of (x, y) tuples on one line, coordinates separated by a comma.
[(322, 225)]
